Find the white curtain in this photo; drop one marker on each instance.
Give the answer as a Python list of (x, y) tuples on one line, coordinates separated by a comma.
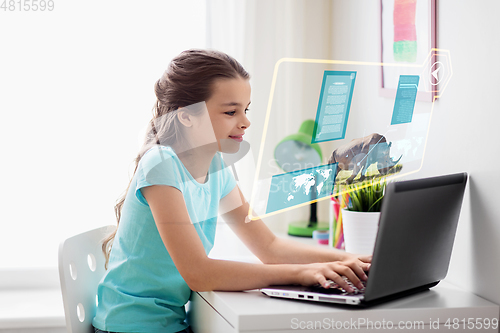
[(259, 33)]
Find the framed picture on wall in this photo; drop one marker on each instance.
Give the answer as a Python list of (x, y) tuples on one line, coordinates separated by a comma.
[(408, 34)]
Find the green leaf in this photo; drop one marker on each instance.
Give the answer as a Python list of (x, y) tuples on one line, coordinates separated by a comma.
[(367, 196)]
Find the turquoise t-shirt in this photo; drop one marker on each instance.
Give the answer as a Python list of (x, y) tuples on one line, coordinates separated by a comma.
[(142, 290)]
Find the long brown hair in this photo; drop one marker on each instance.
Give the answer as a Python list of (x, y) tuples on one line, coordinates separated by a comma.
[(188, 80)]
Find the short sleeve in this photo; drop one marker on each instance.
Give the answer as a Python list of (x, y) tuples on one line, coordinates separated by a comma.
[(157, 167)]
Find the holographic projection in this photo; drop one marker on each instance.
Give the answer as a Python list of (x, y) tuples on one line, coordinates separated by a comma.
[(348, 132), (298, 187), (334, 105), (359, 154), (405, 99)]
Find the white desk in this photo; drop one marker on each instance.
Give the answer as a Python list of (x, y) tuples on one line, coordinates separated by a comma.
[(251, 311)]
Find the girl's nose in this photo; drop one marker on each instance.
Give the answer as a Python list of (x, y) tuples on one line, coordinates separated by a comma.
[(245, 123)]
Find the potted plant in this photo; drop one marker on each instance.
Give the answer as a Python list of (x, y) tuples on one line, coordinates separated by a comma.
[(361, 214)]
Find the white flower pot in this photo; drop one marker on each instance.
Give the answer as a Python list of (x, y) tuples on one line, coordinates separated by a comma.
[(360, 231)]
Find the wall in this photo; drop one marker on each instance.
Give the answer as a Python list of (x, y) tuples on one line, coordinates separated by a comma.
[(277, 29), (464, 124)]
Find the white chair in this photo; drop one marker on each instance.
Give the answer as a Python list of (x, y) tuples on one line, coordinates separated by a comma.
[(81, 267)]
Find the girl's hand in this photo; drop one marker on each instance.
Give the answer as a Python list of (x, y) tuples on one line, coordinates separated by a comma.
[(353, 268), (367, 259)]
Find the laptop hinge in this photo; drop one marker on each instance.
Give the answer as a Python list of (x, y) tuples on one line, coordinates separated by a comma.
[(398, 295)]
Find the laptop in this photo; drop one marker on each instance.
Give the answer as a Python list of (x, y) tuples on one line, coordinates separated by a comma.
[(417, 227)]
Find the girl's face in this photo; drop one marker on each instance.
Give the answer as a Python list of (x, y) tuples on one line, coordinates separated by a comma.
[(227, 108)]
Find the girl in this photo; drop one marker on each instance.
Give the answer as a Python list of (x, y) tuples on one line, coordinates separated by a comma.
[(168, 216)]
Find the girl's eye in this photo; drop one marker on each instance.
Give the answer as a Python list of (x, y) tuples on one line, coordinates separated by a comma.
[(232, 113)]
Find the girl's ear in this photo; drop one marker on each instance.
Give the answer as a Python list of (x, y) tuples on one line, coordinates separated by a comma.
[(184, 118)]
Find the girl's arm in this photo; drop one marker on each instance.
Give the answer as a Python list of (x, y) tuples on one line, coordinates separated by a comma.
[(202, 273), (274, 250)]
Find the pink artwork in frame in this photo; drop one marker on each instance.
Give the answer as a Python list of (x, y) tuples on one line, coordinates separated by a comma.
[(408, 34)]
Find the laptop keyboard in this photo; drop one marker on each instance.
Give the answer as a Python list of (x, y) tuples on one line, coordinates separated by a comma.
[(335, 289)]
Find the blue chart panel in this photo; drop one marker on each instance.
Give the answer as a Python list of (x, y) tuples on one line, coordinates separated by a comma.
[(333, 107), (405, 99), (298, 187)]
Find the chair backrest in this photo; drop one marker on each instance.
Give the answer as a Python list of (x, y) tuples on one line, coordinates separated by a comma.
[(81, 268)]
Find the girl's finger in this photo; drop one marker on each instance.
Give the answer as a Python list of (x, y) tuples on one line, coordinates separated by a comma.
[(351, 275), (322, 281), (365, 259), (359, 270), (340, 281)]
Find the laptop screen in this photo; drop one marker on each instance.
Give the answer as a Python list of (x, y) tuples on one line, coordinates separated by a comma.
[(416, 232)]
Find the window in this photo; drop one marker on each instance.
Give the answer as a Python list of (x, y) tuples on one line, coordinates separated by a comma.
[(76, 89)]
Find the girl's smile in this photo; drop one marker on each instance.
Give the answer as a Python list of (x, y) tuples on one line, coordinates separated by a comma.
[(237, 138)]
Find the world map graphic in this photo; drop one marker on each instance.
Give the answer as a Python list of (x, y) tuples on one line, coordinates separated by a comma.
[(298, 187)]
